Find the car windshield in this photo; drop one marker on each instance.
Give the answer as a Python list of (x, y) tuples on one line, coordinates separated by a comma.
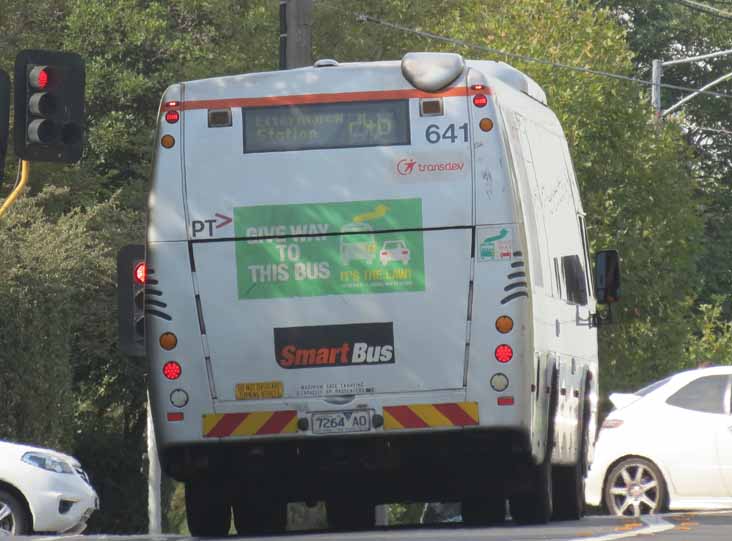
[(652, 387), (393, 244)]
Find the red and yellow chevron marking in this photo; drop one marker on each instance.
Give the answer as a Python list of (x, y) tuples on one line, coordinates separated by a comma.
[(430, 415), (258, 423)]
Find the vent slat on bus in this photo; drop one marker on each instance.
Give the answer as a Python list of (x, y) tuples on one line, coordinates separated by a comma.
[(152, 305), (519, 288)]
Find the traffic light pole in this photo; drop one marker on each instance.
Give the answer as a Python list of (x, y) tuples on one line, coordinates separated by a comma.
[(24, 168)]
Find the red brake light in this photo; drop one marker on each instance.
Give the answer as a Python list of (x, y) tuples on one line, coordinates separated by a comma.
[(140, 273), (480, 100), (172, 116), (172, 370), (504, 353), (384, 253), (175, 416), (505, 401)]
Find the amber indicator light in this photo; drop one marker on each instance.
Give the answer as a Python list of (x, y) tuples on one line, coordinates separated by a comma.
[(168, 341), (504, 324), (167, 141)]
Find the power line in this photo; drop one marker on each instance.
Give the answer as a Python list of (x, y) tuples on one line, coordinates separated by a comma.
[(705, 8), (362, 17)]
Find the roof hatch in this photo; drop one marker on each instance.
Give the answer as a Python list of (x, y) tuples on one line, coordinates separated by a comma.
[(432, 71)]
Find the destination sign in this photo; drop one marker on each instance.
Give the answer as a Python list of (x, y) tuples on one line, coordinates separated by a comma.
[(326, 125)]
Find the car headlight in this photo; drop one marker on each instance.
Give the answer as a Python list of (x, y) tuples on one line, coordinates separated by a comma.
[(47, 462)]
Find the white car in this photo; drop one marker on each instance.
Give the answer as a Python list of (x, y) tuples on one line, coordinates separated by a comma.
[(42, 491), (394, 250), (667, 446)]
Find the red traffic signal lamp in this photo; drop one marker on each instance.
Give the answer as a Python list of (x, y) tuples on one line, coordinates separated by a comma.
[(49, 106), (131, 277)]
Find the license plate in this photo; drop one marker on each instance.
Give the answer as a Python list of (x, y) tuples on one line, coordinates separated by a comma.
[(261, 390), (337, 422)]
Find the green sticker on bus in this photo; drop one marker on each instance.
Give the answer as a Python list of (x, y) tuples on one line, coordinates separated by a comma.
[(313, 249)]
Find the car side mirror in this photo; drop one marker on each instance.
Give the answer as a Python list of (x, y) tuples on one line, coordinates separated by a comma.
[(607, 276)]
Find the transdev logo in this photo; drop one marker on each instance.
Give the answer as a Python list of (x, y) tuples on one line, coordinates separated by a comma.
[(407, 166), (361, 344)]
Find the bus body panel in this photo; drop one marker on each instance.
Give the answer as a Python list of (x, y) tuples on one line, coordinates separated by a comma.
[(492, 214)]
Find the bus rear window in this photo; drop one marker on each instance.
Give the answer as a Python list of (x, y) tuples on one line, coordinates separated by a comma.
[(326, 125)]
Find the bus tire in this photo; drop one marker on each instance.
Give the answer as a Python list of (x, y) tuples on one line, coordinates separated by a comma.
[(265, 517), (207, 510), (350, 515), (569, 481), (484, 512), (536, 507)]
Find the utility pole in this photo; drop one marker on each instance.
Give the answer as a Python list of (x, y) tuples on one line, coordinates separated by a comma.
[(657, 73), (296, 21)]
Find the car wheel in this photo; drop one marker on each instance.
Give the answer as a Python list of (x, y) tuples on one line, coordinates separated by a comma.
[(634, 487), (14, 518)]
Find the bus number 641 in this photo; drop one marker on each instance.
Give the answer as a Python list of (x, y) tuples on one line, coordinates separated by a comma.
[(435, 134)]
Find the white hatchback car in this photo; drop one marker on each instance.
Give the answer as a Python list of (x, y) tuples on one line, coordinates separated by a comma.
[(666, 446), (42, 491)]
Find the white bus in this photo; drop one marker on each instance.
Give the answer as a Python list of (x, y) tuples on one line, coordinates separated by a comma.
[(369, 283)]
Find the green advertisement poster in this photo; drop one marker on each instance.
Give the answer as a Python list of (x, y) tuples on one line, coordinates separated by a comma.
[(343, 251)]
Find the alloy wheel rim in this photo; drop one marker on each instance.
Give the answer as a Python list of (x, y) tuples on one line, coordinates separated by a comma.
[(634, 491), (7, 523)]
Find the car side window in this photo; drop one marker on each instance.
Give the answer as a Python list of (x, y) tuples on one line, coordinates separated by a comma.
[(704, 394)]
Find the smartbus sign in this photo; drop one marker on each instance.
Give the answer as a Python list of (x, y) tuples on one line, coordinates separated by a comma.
[(308, 250)]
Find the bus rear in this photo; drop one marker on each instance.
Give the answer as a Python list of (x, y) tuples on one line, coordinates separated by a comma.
[(332, 247)]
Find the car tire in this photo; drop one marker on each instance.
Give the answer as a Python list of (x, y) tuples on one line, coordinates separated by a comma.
[(634, 487), (484, 512), (351, 515), (14, 516), (208, 511)]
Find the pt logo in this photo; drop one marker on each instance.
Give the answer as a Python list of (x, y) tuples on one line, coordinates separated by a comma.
[(405, 166), (199, 227)]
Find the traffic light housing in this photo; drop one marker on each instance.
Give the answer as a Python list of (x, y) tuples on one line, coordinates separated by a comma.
[(49, 106), (4, 118), (131, 276)]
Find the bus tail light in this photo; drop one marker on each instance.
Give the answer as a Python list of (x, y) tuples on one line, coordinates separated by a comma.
[(504, 324), (504, 353), (175, 416), (499, 382), (172, 117), (179, 398), (480, 100), (172, 370), (505, 401)]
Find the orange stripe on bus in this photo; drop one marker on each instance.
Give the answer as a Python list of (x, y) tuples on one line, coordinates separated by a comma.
[(340, 97)]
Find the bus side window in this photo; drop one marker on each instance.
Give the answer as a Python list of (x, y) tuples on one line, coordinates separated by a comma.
[(586, 250), (575, 281), (558, 277)]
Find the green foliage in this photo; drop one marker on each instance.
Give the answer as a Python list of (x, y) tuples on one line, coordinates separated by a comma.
[(636, 182), (712, 342)]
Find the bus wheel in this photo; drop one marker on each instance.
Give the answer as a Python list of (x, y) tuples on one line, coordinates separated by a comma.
[(484, 512), (569, 481), (207, 510), (535, 507), (351, 515), (260, 517)]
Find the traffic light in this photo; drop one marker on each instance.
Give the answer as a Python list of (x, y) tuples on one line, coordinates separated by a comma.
[(49, 106), (4, 118), (131, 277)]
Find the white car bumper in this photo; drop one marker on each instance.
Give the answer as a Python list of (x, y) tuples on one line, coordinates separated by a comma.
[(61, 503)]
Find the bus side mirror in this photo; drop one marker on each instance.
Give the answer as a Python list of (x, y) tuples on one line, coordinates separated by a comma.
[(607, 276)]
